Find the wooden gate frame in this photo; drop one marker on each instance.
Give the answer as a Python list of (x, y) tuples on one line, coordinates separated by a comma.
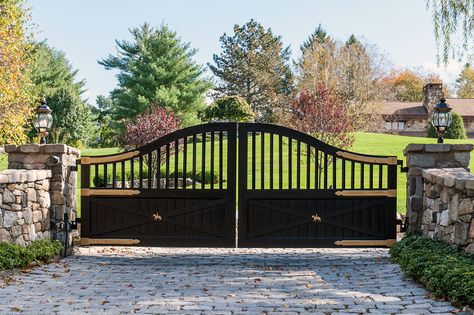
[(390, 192), (230, 191)]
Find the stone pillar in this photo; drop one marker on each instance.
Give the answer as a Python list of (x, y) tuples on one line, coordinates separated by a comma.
[(425, 156), (61, 160)]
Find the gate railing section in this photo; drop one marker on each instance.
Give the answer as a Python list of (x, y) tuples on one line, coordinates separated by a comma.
[(192, 158), (278, 158)]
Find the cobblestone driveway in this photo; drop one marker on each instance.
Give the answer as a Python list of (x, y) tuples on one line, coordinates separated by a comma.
[(219, 281)]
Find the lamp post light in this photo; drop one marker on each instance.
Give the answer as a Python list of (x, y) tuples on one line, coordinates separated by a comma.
[(43, 120), (442, 118)]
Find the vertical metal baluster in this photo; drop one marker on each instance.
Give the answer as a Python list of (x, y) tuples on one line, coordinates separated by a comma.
[(361, 175), (105, 175), (114, 175), (185, 161), (149, 166), (221, 157), (158, 171), (334, 165), (262, 160), (140, 171), (194, 161), (298, 162), (352, 175), (343, 174), (132, 174), (253, 160), (325, 170), (308, 166), (176, 156), (380, 176), (203, 162), (123, 174), (290, 165), (280, 162), (212, 160), (167, 161), (371, 172), (96, 176), (317, 180), (271, 160)]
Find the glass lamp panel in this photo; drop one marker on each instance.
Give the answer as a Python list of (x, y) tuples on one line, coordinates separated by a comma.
[(435, 119), (442, 120), (50, 120), (450, 119)]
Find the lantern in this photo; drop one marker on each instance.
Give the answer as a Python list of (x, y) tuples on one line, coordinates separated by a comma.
[(441, 119), (43, 120)]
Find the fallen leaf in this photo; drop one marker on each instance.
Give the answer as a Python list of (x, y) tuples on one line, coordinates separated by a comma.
[(55, 276), (309, 285), (257, 280), (205, 289), (16, 309)]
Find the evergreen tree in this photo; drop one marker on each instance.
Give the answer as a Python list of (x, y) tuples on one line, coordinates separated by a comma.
[(53, 76), (465, 82), (319, 36), (156, 68), (254, 64), (106, 126)]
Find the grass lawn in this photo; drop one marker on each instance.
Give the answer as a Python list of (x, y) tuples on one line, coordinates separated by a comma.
[(369, 143)]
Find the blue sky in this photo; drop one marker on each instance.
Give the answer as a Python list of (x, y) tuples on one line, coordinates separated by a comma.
[(85, 30)]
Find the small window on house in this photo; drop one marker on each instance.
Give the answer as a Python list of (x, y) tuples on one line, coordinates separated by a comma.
[(401, 125), (388, 125)]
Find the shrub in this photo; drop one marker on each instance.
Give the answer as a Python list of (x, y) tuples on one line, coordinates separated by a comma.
[(455, 131), (228, 108), (16, 256), (444, 269)]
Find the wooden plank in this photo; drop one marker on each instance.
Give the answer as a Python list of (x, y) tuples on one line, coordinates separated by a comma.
[(108, 192), (390, 160), (85, 241), (387, 242), (108, 158), (367, 193)]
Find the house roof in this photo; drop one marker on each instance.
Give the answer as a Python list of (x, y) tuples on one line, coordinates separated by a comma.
[(406, 110)]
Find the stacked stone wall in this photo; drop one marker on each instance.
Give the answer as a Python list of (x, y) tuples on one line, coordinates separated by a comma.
[(24, 203), (448, 206), (60, 159), (426, 156)]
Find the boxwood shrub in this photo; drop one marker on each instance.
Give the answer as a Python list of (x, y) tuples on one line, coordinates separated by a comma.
[(15, 256), (444, 269)]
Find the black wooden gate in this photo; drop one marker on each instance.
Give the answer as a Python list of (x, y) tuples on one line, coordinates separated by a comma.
[(293, 191), (129, 199), (296, 191)]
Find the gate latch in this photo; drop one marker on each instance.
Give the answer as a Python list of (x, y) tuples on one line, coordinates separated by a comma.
[(316, 218)]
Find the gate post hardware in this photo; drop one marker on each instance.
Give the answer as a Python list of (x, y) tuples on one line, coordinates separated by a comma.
[(157, 217), (316, 218)]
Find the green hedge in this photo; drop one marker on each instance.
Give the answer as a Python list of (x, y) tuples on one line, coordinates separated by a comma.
[(445, 270), (15, 256)]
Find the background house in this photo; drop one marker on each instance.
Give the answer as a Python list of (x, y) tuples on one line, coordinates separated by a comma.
[(412, 118)]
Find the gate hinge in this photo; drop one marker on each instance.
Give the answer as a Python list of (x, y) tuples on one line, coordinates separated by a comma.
[(402, 168)]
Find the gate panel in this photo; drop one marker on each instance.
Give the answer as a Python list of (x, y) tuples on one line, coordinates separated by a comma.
[(304, 192), (177, 191)]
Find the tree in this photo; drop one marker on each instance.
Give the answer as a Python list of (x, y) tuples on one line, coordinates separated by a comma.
[(254, 64), (406, 85), (320, 113), (228, 108), (106, 126), (16, 101), (455, 131), (351, 70), (154, 123), (453, 27), (53, 76), (465, 82), (319, 36), (156, 67)]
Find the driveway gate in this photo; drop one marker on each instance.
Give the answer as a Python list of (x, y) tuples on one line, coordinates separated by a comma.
[(293, 191)]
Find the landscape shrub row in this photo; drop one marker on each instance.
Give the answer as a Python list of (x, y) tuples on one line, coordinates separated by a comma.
[(444, 269), (15, 256)]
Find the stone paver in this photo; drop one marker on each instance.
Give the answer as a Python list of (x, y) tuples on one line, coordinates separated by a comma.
[(219, 281)]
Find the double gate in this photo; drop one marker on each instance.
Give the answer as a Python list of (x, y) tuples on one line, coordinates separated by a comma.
[(293, 191)]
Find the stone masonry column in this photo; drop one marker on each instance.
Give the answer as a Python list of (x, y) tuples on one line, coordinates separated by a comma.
[(61, 160), (425, 156)]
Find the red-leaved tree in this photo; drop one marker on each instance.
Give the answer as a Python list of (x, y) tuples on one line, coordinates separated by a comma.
[(321, 114), (148, 127)]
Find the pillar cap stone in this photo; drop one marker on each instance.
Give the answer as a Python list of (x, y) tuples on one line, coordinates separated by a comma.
[(42, 148), (437, 147)]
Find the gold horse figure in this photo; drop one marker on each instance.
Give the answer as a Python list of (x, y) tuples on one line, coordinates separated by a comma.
[(316, 218), (157, 217)]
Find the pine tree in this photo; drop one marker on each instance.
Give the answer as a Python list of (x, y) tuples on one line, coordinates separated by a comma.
[(254, 64), (53, 77), (319, 36), (156, 69)]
